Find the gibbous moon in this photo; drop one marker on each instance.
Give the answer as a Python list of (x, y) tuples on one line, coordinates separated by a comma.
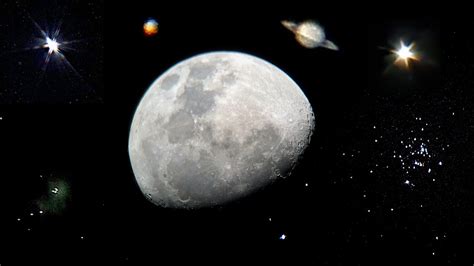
[(217, 127)]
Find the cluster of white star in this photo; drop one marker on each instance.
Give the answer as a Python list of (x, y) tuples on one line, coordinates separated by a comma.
[(415, 156)]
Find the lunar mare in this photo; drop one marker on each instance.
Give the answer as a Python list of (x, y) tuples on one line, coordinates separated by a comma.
[(215, 128)]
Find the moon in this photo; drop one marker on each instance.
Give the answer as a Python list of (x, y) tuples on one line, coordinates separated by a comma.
[(215, 128)]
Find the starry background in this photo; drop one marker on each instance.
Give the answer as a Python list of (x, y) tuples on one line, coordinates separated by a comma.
[(387, 178)]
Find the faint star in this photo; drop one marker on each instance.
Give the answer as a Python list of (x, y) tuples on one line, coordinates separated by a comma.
[(282, 237)]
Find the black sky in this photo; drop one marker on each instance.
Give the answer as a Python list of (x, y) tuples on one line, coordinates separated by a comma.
[(364, 109)]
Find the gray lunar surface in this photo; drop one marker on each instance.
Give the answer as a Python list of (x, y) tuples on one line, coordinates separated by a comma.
[(217, 127)]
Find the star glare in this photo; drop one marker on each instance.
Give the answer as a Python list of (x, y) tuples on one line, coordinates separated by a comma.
[(52, 45), (55, 45), (405, 54)]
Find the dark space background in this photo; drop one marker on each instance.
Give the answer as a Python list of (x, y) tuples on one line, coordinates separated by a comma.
[(364, 107)]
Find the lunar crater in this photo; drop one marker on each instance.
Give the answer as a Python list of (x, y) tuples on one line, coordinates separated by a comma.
[(217, 127)]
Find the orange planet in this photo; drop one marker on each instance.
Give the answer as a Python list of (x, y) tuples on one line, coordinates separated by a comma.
[(150, 28)]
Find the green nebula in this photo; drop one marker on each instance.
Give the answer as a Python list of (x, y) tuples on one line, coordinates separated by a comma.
[(57, 198)]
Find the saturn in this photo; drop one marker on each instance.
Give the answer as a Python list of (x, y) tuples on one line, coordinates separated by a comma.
[(309, 34)]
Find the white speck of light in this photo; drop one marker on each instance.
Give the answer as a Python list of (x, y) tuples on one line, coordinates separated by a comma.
[(391, 209), (436, 238), (440, 163), (417, 163), (421, 205), (423, 149), (368, 210), (306, 184), (429, 170), (282, 237), (371, 171), (18, 219), (55, 190), (375, 140), (40, 212), (31, 214), (82, 238), (407, 182), (269, 219), (434, 180)]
